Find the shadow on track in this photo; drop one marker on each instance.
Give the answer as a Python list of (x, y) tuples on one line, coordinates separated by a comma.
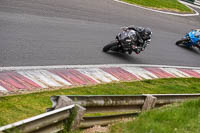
[(194, 50), (122, 56)]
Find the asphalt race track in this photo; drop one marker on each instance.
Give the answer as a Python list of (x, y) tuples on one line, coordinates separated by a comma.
[(73, 32)]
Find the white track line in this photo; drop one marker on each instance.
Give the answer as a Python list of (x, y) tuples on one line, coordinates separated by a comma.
[(170, 13), (89, 66)]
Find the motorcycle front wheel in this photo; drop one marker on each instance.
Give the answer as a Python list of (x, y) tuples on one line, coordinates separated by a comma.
[(182, 41), (110, 46)]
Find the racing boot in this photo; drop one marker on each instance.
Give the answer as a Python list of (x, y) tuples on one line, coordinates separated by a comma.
[(130, 52)]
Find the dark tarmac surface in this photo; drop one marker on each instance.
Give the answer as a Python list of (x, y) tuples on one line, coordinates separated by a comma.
[(73, 32)]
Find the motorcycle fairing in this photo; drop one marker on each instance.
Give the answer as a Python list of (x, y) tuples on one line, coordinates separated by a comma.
[(194, 36)]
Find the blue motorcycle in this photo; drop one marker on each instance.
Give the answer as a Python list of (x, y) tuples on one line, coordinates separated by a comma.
[(191, 39)]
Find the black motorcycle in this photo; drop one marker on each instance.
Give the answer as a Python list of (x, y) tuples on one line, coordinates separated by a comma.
[(126, 42)]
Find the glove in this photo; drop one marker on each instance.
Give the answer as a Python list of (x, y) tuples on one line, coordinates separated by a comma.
[(141, 41), (148, 41), (124, 28)]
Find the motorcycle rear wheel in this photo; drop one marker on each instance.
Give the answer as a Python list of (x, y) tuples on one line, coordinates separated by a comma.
[(109, 46)]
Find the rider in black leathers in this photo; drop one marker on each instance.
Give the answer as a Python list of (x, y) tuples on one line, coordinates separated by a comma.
[(143, 35)]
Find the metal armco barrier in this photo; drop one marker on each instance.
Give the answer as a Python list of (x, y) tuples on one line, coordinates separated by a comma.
[(125, 103), (94, 104), (52, 121), (49, 122), (130, 103)]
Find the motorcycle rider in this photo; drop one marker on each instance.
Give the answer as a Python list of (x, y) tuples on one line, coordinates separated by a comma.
[(143, 36)]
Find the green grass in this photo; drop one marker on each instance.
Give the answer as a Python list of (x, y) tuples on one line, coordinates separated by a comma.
[(172, 5), (108, 113), (15, 108), (184, 118)]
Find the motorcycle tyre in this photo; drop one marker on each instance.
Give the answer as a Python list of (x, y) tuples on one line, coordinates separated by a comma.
[(109, 46), (181, 41)]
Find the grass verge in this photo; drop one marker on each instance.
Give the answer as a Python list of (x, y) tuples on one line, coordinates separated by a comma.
[(18, 107), (184, 118), (169, 5)]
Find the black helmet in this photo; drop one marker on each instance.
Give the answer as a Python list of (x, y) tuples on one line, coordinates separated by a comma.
[(146, 33)]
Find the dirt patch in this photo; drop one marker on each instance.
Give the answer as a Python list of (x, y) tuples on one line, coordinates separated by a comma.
[(97, 129)]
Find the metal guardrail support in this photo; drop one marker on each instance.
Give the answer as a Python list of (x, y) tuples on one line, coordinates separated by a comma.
[(149, 103), (78, 117), (62, 101)]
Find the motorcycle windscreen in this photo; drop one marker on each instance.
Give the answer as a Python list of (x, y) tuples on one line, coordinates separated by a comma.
[(131, 34), (194, 36)]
